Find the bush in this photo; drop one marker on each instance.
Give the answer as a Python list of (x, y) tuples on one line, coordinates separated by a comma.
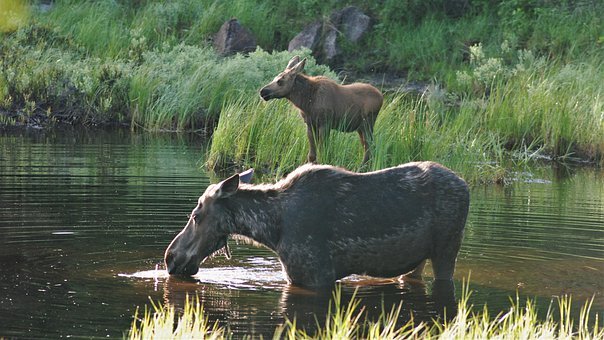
[(44, 78)]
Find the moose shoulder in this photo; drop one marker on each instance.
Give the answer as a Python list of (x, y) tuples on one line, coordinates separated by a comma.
[(326, 105), (326, 223)]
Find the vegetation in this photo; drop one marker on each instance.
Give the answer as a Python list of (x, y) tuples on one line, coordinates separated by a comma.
[(519, 77), (272, 137), (159, 323), (347, 322), (532, 108)]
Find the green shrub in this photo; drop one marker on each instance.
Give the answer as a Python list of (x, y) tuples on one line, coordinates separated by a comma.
[(51, 79)]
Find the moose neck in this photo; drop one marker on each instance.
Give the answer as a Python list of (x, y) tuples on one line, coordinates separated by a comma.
[(256, 214), (302, 92)]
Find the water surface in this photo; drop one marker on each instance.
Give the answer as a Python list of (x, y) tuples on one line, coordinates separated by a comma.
[(85, 217)]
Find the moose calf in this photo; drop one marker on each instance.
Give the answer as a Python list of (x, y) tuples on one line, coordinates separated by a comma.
[(326, 105)]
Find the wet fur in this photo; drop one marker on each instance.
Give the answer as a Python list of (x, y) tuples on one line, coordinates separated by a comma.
[(326, 223)]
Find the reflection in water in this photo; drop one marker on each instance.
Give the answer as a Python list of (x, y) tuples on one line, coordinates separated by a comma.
[(86, 216), (260, 310), (258, 297), (309, 307)]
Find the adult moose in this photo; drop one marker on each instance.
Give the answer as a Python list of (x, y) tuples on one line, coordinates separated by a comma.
[(326, 223), (326, 105)]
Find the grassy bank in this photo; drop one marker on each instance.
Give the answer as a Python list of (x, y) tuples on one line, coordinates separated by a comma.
[(272, 137), (506, 77), (534, 109), (520, 321)]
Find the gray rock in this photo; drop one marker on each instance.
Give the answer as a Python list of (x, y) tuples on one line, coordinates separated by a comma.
[(309, 37), (233, 38), (330, 42), (352, 22), (322, 37)]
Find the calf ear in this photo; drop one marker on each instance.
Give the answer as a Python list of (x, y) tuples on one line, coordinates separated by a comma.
[(299, 67), (227, 187), (246, 176), (293, 61)]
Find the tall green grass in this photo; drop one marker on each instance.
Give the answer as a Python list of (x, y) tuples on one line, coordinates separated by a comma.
[(520, 321), (39, 75), (505, 100), (536, 102), (416, 37), (98, 26), (185, 87), (272, 136), (158, 323), (115, 29)]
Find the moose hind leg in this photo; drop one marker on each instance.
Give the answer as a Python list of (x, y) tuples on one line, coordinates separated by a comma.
[(443, 263), (366, 136), (443, 268)]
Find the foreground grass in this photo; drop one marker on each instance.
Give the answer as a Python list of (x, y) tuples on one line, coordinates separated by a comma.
[(346, 322), (158, 323)]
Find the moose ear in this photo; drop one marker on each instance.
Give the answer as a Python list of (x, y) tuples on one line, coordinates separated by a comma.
[(293, 61), (246, 176), (227, 187), (299, 67)]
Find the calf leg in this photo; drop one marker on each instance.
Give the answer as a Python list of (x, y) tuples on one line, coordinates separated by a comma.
[(366, 136), (316, 136), (312, 152)]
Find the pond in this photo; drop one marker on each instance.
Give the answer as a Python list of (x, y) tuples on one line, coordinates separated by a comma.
[(85, 217)]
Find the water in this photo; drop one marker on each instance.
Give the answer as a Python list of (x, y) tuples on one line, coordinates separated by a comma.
[(85, 217)]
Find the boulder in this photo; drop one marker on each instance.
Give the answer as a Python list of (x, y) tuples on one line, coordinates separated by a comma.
[(233, 38), (352, 22), (309, 37), (330, 42), (322, 37)]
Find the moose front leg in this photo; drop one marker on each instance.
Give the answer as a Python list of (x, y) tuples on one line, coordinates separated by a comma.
[(311, 134), (316, 136), (308, 265)]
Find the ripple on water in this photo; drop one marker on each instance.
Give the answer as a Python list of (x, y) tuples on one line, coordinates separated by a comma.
[(253, 273)]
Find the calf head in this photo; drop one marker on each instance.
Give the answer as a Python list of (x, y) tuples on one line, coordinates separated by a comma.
[(283, 83), (207, 230)]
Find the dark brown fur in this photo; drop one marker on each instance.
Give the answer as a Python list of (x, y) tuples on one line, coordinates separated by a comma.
[(325, 105), (326, 223)]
